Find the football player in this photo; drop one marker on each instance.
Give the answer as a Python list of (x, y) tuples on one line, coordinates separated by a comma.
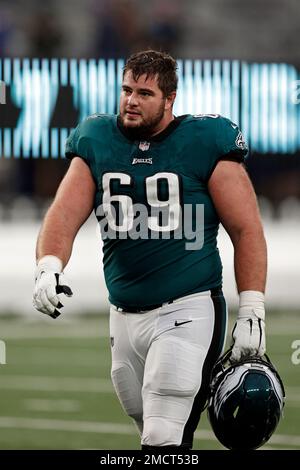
[(146, 173)]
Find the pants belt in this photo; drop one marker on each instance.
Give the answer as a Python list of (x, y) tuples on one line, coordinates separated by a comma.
[(126, 308)]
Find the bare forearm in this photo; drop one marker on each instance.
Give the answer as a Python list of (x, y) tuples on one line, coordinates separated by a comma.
[(250, 261), (56, 237)]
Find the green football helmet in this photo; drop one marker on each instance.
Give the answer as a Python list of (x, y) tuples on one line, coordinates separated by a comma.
[(245, 402)]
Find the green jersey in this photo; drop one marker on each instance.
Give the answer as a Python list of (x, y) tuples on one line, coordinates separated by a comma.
[(165, 179)]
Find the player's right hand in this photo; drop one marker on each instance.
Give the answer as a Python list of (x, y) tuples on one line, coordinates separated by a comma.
[(49, 283)]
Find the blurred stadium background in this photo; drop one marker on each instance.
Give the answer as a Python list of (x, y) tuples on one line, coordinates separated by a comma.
[(237, 58)]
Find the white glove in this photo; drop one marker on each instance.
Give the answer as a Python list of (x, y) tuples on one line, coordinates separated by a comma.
[(248, 333), (49, 281)]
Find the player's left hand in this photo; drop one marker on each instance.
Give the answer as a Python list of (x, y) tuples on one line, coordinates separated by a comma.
[(248, 333)]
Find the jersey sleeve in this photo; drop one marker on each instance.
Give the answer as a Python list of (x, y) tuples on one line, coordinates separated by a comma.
[(77, 143), (71, 148), (231, 144)]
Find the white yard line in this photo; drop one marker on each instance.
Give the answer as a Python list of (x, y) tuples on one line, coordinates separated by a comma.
[(66, 330), (53, 384), (98, 330), (41, 404), (281, 439), (277, 439), (69, 426), (112, 428), (88, 385), (24, 328)]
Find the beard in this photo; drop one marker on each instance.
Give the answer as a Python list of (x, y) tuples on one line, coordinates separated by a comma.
[(147, 127)]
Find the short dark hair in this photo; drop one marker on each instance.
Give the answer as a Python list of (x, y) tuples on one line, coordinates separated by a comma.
[(154, 63)]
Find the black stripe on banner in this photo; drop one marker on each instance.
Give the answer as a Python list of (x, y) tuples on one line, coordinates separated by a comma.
[(213, 354)]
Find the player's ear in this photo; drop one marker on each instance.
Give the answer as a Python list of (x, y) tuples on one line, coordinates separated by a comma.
[(170, 100)]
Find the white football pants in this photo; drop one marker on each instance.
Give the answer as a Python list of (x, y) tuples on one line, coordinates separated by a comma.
[(161, 364)]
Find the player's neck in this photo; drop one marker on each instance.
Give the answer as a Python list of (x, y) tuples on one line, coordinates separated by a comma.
[(163, 124)]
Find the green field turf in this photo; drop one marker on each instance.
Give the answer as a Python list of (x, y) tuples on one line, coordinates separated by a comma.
[(55, 389)]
